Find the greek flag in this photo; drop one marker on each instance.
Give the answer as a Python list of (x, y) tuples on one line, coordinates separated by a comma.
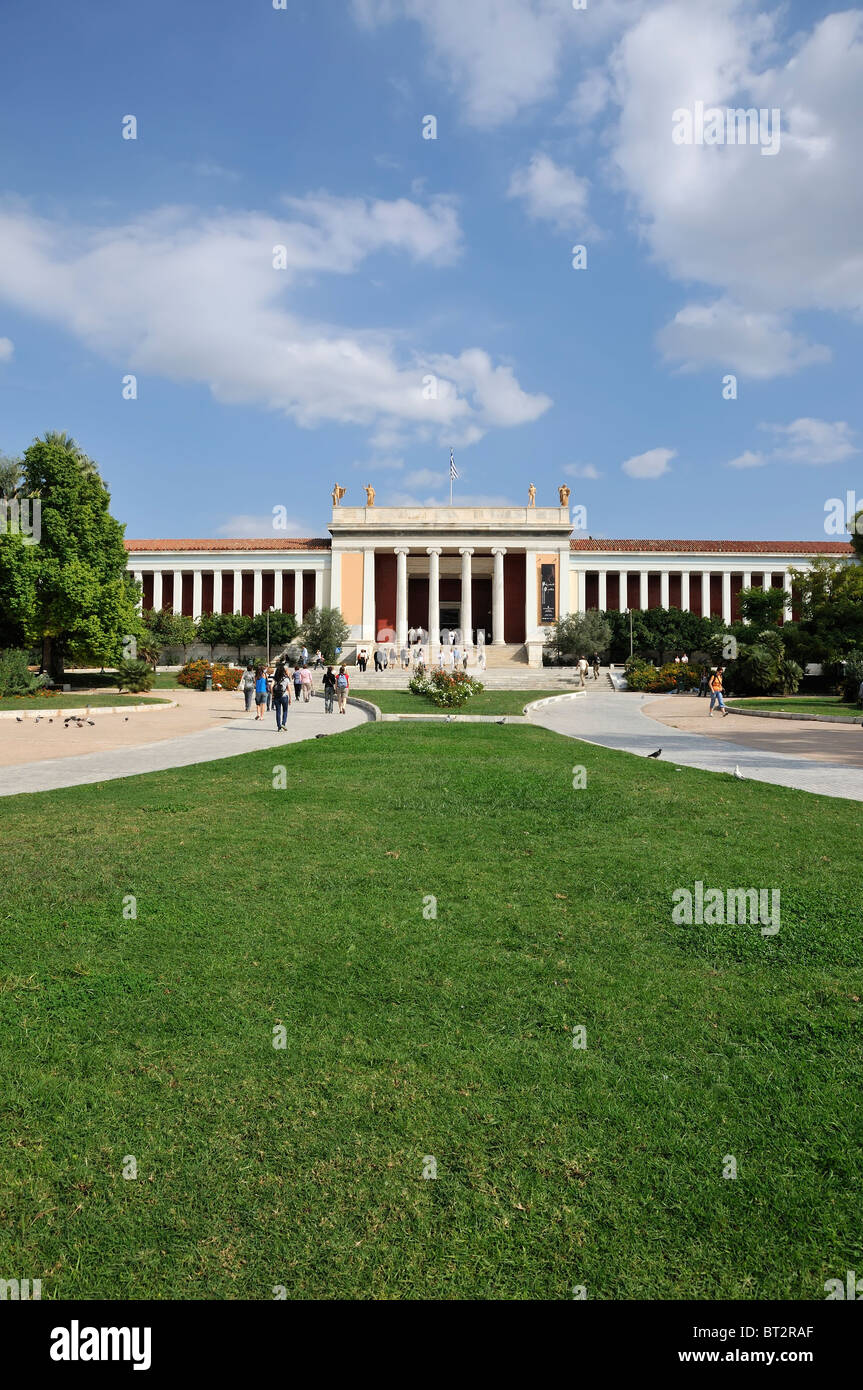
[(453, 471)]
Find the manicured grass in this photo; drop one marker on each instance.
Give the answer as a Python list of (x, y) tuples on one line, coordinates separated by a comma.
[(804, 704), (167, 680), (409, 1036), (489, 702), (76, 699)]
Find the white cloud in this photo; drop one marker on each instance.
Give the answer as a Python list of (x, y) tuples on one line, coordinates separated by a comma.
[(553, 194), (196, 298), (375, 465), (748, 459), (754, 345), (773, 235), (500, 56), (592, 95), (581, 470), (814, 441), (7, 348), (650, 465), (245, 526)]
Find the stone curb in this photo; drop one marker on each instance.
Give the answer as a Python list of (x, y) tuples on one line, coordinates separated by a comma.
[(453, 718), (366, 705), (553, 700), (53, 712), (786, 714)]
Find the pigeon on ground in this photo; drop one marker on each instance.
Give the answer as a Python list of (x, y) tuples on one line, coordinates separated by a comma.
[(92, 721), (19, 719), (50, 721), (738, 774), (500, 721), (320, 735), (38, 717), (656, 754)]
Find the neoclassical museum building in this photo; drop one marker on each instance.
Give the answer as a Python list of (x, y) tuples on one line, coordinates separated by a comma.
[(497, 575)]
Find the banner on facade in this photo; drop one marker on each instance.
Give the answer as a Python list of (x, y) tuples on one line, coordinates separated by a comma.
[(547, 605)]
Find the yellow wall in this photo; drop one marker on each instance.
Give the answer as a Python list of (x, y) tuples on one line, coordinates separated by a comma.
[(352, 586)]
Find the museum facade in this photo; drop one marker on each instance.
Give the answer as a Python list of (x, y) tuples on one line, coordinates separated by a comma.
[(497, 575)]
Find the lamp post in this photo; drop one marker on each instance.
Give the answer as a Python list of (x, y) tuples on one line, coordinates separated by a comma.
[(269, 611), (629, 611)]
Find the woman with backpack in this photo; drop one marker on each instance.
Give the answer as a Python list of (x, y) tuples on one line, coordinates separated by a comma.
[(329, 690), (343, 684), (247, 685), (281, 697)]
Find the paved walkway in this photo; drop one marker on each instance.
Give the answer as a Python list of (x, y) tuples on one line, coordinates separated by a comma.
[(624, 722), (226, 739)]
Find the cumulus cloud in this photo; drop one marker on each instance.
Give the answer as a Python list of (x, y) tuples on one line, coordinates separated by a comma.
[(773, 235), (806, 440), (248, 527), (748, 459), (196, 298), (582, 470), (553, 194), (649, 465), (7, 347), (723, 334)]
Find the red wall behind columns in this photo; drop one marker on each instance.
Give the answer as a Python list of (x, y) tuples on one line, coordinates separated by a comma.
[(418, 601), (287, 592), (514, 594), (308, 591), (207, 585), (385, 592)]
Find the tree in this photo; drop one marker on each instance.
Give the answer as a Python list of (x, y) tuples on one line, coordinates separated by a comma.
[(662, 633), (580, 634), (283, 628), (762, 667), (170, 629), (236, 631), (324, 628), (763, 608), (10, 476), (71, 592), (831, 600)]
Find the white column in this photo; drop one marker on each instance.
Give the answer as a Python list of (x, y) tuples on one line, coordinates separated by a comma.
[(178, 591), (664, 589), (278, 589), (138, 577), (531, 623), (767, 579), (563, 583), (238, 591), (157, 589), (684, 591), (401, 596), (434, 596), (258, 590), (726, 597), (466, 597), (217, 591), (705, 593), (603, 590), (319, 588), (369, 625), (786, 584), (197, 591), (642, 589), (497, 618), (747, 579), (582, 590), (298, 596)]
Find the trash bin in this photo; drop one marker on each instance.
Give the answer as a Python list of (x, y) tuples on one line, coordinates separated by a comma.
[(208, 681)]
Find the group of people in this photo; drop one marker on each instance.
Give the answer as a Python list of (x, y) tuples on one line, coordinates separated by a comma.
[(270, 688), (451, 657), (583, 667)]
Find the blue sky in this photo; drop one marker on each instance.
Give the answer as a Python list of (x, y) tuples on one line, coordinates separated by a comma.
[(428, 299)]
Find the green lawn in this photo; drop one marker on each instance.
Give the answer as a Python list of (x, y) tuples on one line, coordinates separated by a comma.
[(76, 699), (805, 704), (409, 1037), (489, 702)]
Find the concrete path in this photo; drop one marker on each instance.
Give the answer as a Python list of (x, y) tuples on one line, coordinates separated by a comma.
[(229, 738), (621, 721)]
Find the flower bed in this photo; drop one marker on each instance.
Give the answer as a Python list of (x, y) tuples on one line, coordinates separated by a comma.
[(447, 690), (194, 675)]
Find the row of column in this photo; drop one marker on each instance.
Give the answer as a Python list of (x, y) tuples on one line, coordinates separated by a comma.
[(466, 624), (685, 577), (257, 589)]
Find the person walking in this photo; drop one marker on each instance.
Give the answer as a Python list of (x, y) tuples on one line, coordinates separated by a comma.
[(716, 697), (329, 690), (582, 669), (281, 697), (260, 692), (304, 655), (343, 684), (298, 684), (269, 675), (319, 659), (480, 660), (596, 667), (306, 682), (704, 681), (247, 685)]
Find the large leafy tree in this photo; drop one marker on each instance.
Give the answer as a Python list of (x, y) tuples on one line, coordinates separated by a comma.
[(831, 600), (580, 634), (74, 593), (324, 628)]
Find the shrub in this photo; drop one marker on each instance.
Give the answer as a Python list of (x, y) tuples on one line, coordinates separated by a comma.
[(133, 676), (15, 677), (852, 676), (194, 675), (674, 675), (447, 690)]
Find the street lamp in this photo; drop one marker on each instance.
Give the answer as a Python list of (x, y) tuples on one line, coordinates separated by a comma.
[(269, 611), (629, 611)]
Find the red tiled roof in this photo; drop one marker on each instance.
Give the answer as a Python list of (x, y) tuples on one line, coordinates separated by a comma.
[(269, 543), (592, 544)]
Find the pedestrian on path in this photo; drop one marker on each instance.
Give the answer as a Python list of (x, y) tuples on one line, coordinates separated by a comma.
[(329, 690), (716, 693), (343, 683), (306, 682), (596, 667), (260, 692), (298, 684), (281, 697), (582, 669), (247, 685)]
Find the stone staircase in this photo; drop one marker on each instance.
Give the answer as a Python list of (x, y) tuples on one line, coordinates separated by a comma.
[(515, 676)]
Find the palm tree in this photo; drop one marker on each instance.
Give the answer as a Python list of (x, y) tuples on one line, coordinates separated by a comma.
[(10, 476), (71, 446)]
